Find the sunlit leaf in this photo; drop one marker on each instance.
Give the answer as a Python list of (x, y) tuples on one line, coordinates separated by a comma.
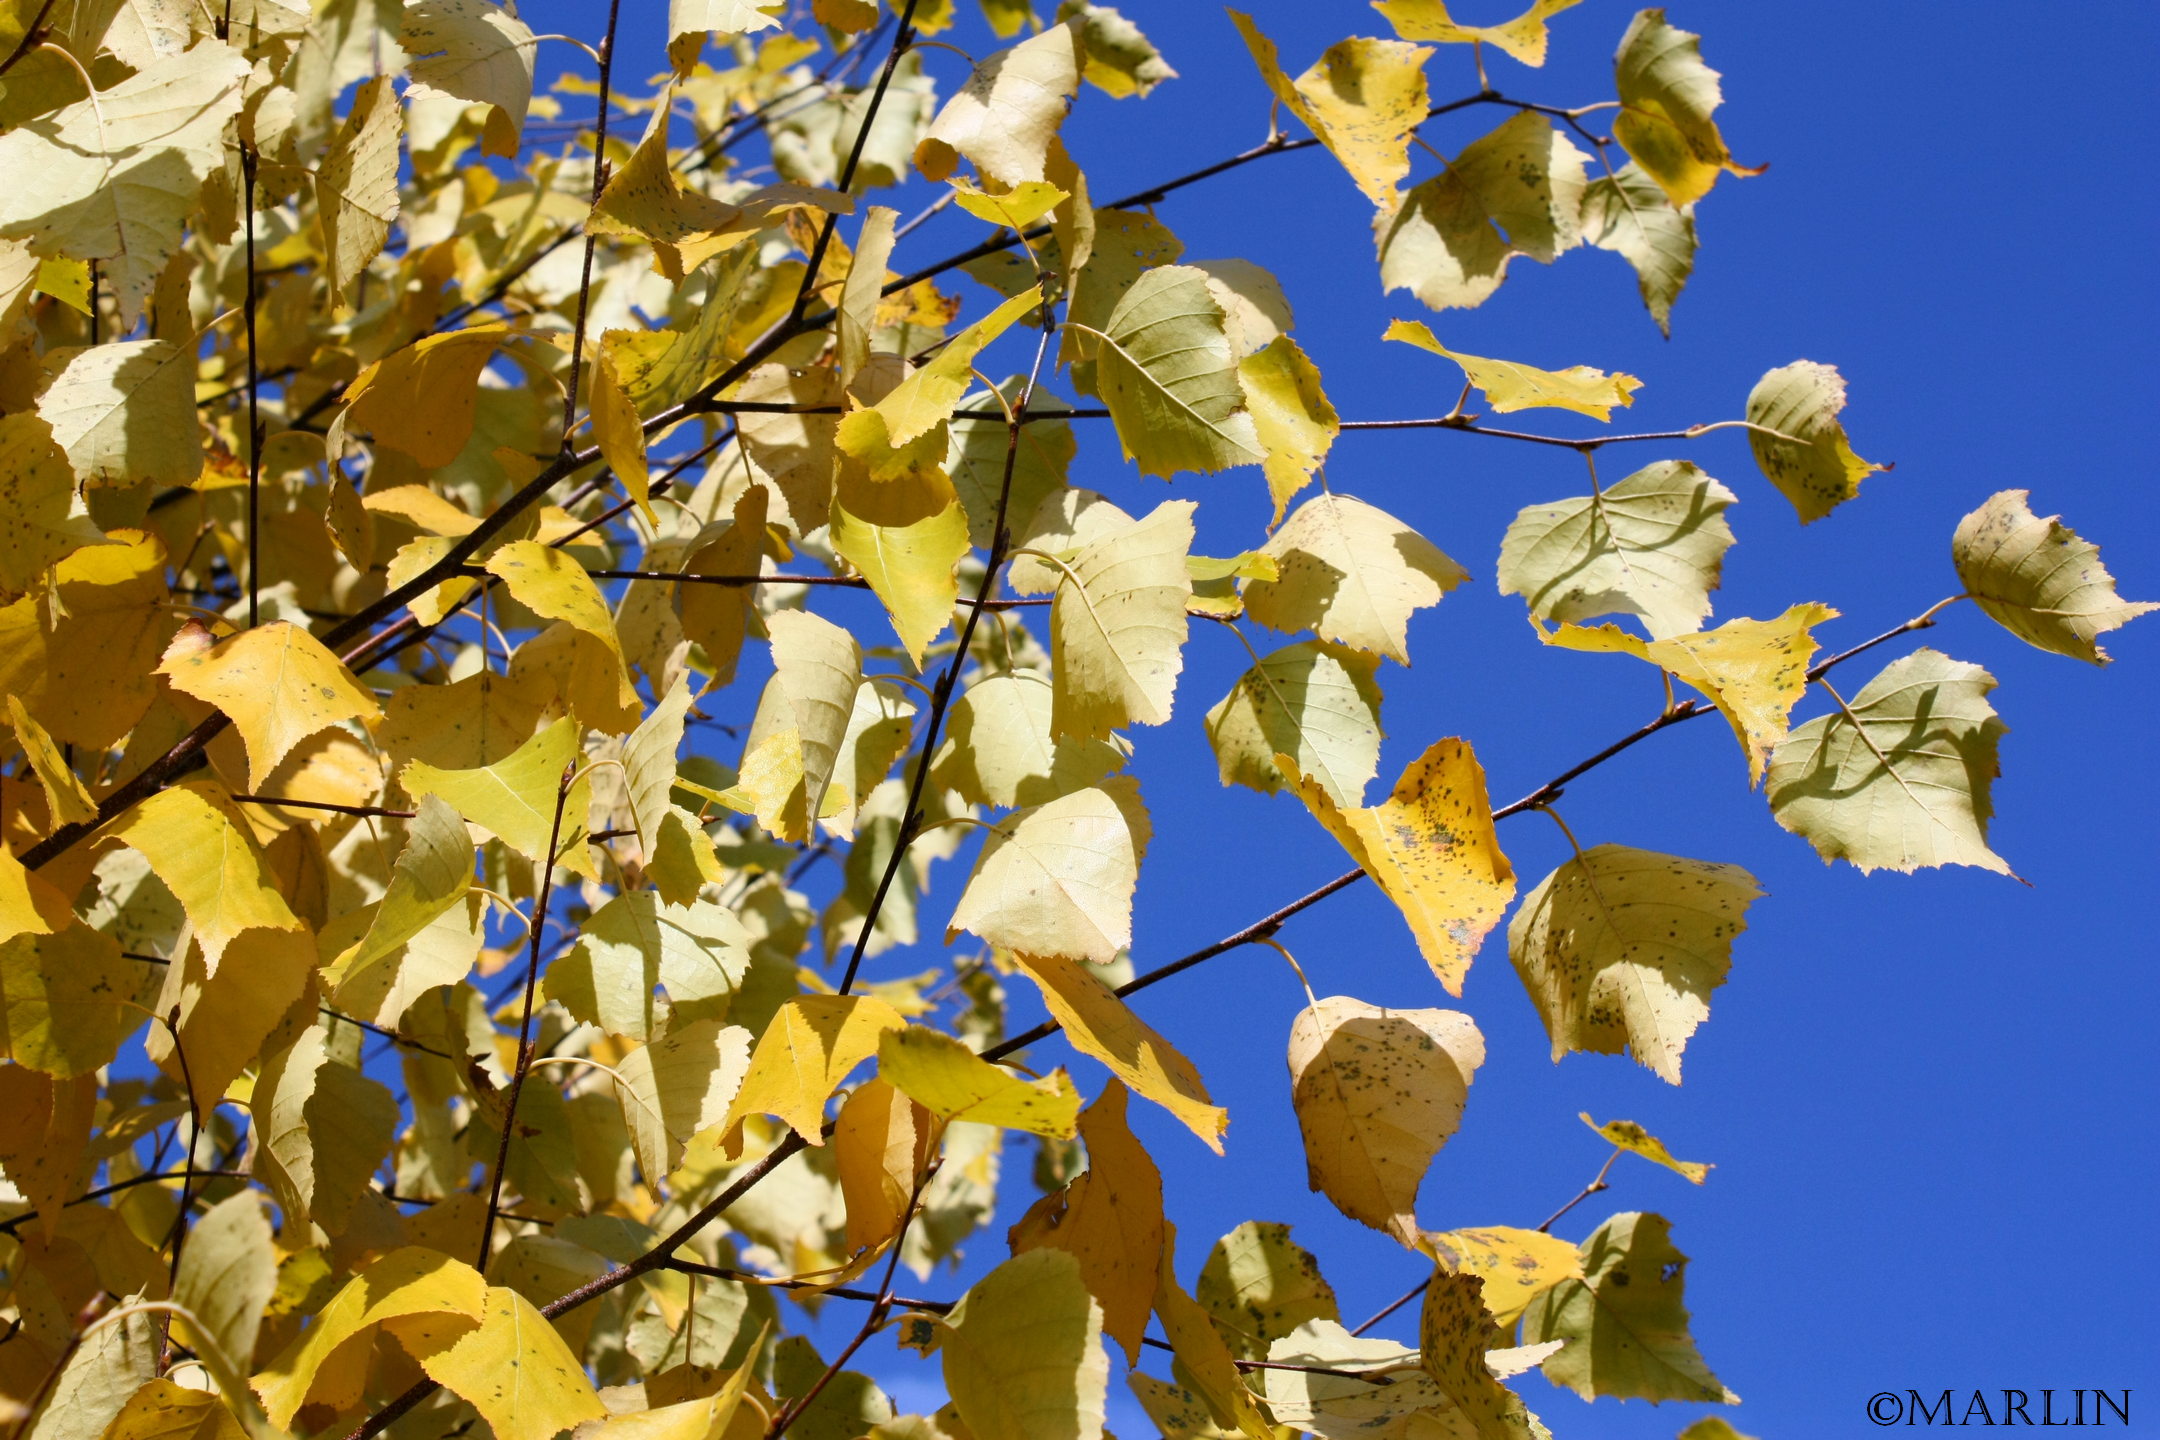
[(2038, 578)]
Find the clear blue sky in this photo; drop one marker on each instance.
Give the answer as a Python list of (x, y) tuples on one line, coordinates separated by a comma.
[(1929, 1098)]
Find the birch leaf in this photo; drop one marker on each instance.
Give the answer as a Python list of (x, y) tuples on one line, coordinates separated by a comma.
[(1627, 213), (794, 741), (1509, 385), (478, 52), (677, 1084), (927, 398), (1454, 1336), (41, 521), (1259, 1285), (1291, 416), (65, 797), (205, 852), (1058, 878), (883, 1143), (515, 799), (2037, 579), (907, 537), (115, 177), (1667, 95), (324, 1127), (952, 1082), (1165, 367), (1516, 1265), (999, 748), (699, 954), (1117, 625), (1350, 573), (1523, 38), (124, 412), (278, 684), (45, 1127), (1808, 457), (227, 1277), (1630, 1136), (515, 1370), (1900, 781), (64, 1000), (804, 1054), (423, 400), (1201, 1352), (1314, 702), (317, 1366), (1005, 117), (1431, 847), (1625, 1322), (1651, 545), (1099, 1023), (550, 583), (1023, 1352), (1515, 191), (1362, 99), (1754, 671), (1117, 58), (690, 20), (1620, 949), (356, 185), (1377, 1093), (1109, 1218)]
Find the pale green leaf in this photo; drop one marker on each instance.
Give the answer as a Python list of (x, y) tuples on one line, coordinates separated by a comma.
[(1625, 1322), (1805, 452), (2038, 579), (1650, 545)]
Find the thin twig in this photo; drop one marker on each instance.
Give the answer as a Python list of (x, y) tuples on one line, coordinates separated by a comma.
[(605, 55), (254, 393)]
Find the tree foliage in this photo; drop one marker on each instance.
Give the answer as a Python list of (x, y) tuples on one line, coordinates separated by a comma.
[(507, 622)]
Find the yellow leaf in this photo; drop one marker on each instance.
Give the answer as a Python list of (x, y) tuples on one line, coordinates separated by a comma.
[(686, 226), (45, 1125), (81, 659), (1454, 1335), (1117, 625), (65, 797), (954, 1083), (514, 1369), (1363, 98), (29, 905), (1100, 1024), (1667, 95), (1510, 386), (125, 412), (226, 1018), (1016, 209), (1799, 443), (794, 742), (1006, 115), (1023, 1352), (926, 398), (619, 433), (423, 399), (1523, 37), (1058, 878), (550, 583), (677, 1084), (205, 852), (1109, 1219), (41, 520), (1378, 1092), (227, 1277), (515, 798), (1630, 1136), (329, 1363), (115, 176), (1430, 845), (1199, 1348), (906, 537), (690, 20), (474, 51), (356, 184), (1516, 1265), (711, 1417), (323, 1128), (804, 1054), (1351, 573), (62, 999), (1290, 413), (882, 1144), (162, 1410), (277, 682), (1754, 671)]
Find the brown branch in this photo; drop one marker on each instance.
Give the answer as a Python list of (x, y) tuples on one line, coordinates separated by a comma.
[(8, 1225), (911, 817), (254, 392), (331, 806), (525, 1040), (592, 239), (33, 36)]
